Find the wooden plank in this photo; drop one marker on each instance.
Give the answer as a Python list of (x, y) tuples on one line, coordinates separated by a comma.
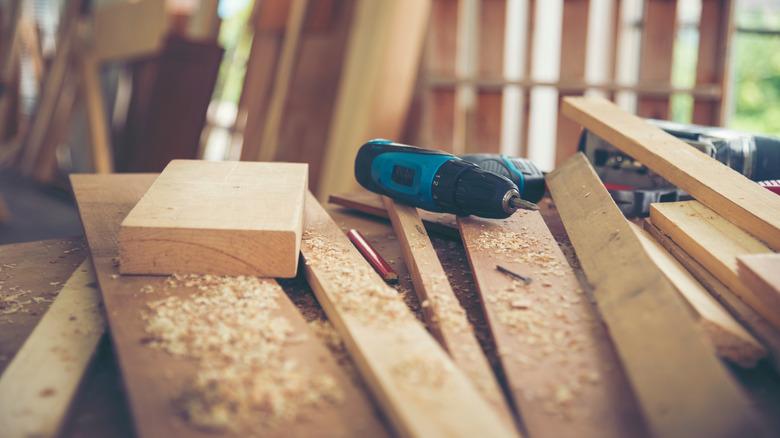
[(681, 387), (196, 213), (716, 28), (731, 340), (562, 371), (760, 272), (444, 315), (128, 29), (655, 63), (40, 383), (419, 388), (376, 85), (103, 200), (716, 244), (102, 153), (725, 191), (758, 326), (574, 40)]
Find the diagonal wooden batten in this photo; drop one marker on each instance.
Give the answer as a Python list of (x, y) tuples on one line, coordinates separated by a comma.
[(563, 374), (681, 387), (40, 383), (443, 313), (419, 388), (154, 378), (712, 183)]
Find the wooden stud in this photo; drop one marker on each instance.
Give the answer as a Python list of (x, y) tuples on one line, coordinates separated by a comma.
[(722, 189), (443, 313), (681, 387), (761, 272), (486, 137), (715, 243), (102, 153), (716, 29), (419, 388), (103, 200), (40, 383), (655, 64), (731, 340)]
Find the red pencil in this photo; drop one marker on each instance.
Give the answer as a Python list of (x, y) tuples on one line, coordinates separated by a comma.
[(377, 262)]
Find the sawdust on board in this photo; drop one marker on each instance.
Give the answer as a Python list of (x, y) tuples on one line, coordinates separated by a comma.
[(244, 379)]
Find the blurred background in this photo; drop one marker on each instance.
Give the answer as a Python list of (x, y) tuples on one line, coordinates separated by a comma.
[(126, 86)]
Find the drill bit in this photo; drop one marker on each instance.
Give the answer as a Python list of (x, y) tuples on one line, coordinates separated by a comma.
[(518, 203)]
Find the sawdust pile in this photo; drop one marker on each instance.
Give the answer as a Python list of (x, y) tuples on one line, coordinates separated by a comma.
[(244, 381)]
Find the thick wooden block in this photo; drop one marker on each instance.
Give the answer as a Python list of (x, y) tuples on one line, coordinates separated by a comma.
[(223, 218)]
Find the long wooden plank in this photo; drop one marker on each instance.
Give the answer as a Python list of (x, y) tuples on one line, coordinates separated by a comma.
[(681, 387), (725, 191), (419, 388), (562, 371), (761, 272), (716, 243), (444, 315), (39, 384), (156, 379), (731, 340)]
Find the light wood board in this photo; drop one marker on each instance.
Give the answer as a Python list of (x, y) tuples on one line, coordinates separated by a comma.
[(419, 388), (716, 243), (444, 315), (38, 386), (681, 387), (562, 371), (722, 189), (761, 272), (153, 378), (227, 218), (730, 339)]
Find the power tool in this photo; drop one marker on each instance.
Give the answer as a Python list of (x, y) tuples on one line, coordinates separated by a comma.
[(488, 186)]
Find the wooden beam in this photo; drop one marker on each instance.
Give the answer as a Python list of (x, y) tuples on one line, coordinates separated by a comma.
[(103, 200), (377, 82), (40, 383), (731, 340), (681, 387), (444, 315), (419, 388), (716, 30), (716, 243), (659, 30), (761, 272), (102, 153), (722, 189), (758, 326)]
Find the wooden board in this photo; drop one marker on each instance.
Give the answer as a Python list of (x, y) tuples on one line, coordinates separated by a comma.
[(681, 387), (226, 218), (656, 54), (444, 316), (716, 244), (725, 191), (419, 388), (731, 340), (154, 378), (758, 326), (128, 29), (760, 272), (563, 374), (38, 386)]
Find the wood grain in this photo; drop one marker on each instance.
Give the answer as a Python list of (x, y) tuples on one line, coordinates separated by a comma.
[(419, 388), (444, 316), (716, 244), (731, 340), (722, 189), (681, 387), (40, 383), (153, 378), (226, 218), (563, 374), (760, 272)]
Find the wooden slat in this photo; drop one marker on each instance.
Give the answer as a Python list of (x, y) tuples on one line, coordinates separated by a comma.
[(444, 315), (758, 326), (103, 201), (655, 63), (761, 272), (731, 340), (419, 388), (40, 383), (681, 387), (439, 105), (716, 29), (725, 191), (563, 374), (102, 154), (716, 244), (573, 49), (486, 137)]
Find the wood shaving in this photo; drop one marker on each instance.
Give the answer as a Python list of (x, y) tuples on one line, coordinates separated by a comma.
[(230, 328)]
